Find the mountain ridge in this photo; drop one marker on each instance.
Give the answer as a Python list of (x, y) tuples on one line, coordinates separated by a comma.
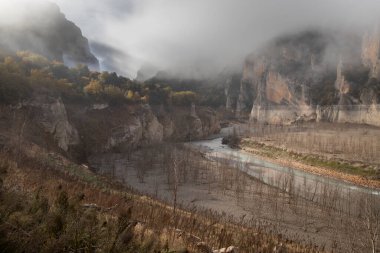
[(48, 32)]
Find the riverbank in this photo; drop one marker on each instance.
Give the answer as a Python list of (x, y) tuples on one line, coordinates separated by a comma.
[(45, 185), (219, 188), (224, 182), (311, 163)]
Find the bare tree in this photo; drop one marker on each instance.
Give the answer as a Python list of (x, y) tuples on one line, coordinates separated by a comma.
[(173, 174), (371, 220)]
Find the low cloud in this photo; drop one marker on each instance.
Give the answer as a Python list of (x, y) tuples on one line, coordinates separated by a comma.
[(201, 37)]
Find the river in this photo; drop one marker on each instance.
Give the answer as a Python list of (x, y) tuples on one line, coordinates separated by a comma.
[(288, 178)]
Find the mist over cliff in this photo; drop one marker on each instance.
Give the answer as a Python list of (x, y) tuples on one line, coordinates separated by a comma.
[(200, 38), (189, 39), (41, 27)]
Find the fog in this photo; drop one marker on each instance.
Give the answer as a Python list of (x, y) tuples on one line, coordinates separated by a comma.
[(200, 38)]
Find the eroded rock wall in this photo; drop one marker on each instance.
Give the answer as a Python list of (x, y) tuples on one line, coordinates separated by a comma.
[(51, 115), (360, 114), (81, 130), (123, 128), (283, 115), (370, 52), (292, 76)]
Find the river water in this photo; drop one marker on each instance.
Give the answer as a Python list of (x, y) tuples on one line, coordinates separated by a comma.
[(289, 179)]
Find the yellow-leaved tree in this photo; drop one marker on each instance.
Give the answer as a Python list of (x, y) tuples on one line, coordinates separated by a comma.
[(93, 88)]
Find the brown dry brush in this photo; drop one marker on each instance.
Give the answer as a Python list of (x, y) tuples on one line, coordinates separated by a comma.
[(43, 215), (231, 180), (333, 205), (70, 214), (354, 218), (323, 138)]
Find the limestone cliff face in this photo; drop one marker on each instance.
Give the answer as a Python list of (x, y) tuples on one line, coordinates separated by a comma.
[(343, 87), (277, 89), (195, 130), (252, 84), (288, 78), (277, 76), (51, 115), (210, 122), (233, 92), (359, 114), (274, 92), (130, 134), (82, 130), (122, 128), (152, 129), (193, 124), (364, 110), (370, 52), (167, 123), (341, 84), (142, 128)]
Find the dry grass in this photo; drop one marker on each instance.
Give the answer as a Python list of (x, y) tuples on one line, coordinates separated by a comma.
[(296, 212), (184, 229), (353, 149)]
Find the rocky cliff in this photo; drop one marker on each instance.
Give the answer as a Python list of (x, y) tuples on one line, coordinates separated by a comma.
[(50, 114), (83, 130), (359, 114), (44, 29), (290, 77), (370, 52)]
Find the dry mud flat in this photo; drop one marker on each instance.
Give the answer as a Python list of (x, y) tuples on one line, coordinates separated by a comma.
[(226, 190)]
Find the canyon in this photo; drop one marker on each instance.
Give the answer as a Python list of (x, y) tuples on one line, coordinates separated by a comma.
[(143, 162)]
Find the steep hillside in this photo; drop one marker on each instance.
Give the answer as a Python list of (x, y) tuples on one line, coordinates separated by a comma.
[(217, 91), (81, 113), (46, 31)]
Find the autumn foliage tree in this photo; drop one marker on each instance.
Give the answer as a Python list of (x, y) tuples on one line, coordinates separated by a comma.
[(183, 98), (93, 88)]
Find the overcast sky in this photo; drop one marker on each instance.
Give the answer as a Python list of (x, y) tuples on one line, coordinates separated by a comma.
[(204, 36)]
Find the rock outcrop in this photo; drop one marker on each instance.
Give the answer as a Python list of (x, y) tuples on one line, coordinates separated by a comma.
[(359, 114), (142, 129), (46, 31), (195, 127), (232, 91), (292, 79), (197, 123), (153, 131), (81, 130), (51, 115), (119, 128), (370, 52), (130, 134), (123, 128)]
